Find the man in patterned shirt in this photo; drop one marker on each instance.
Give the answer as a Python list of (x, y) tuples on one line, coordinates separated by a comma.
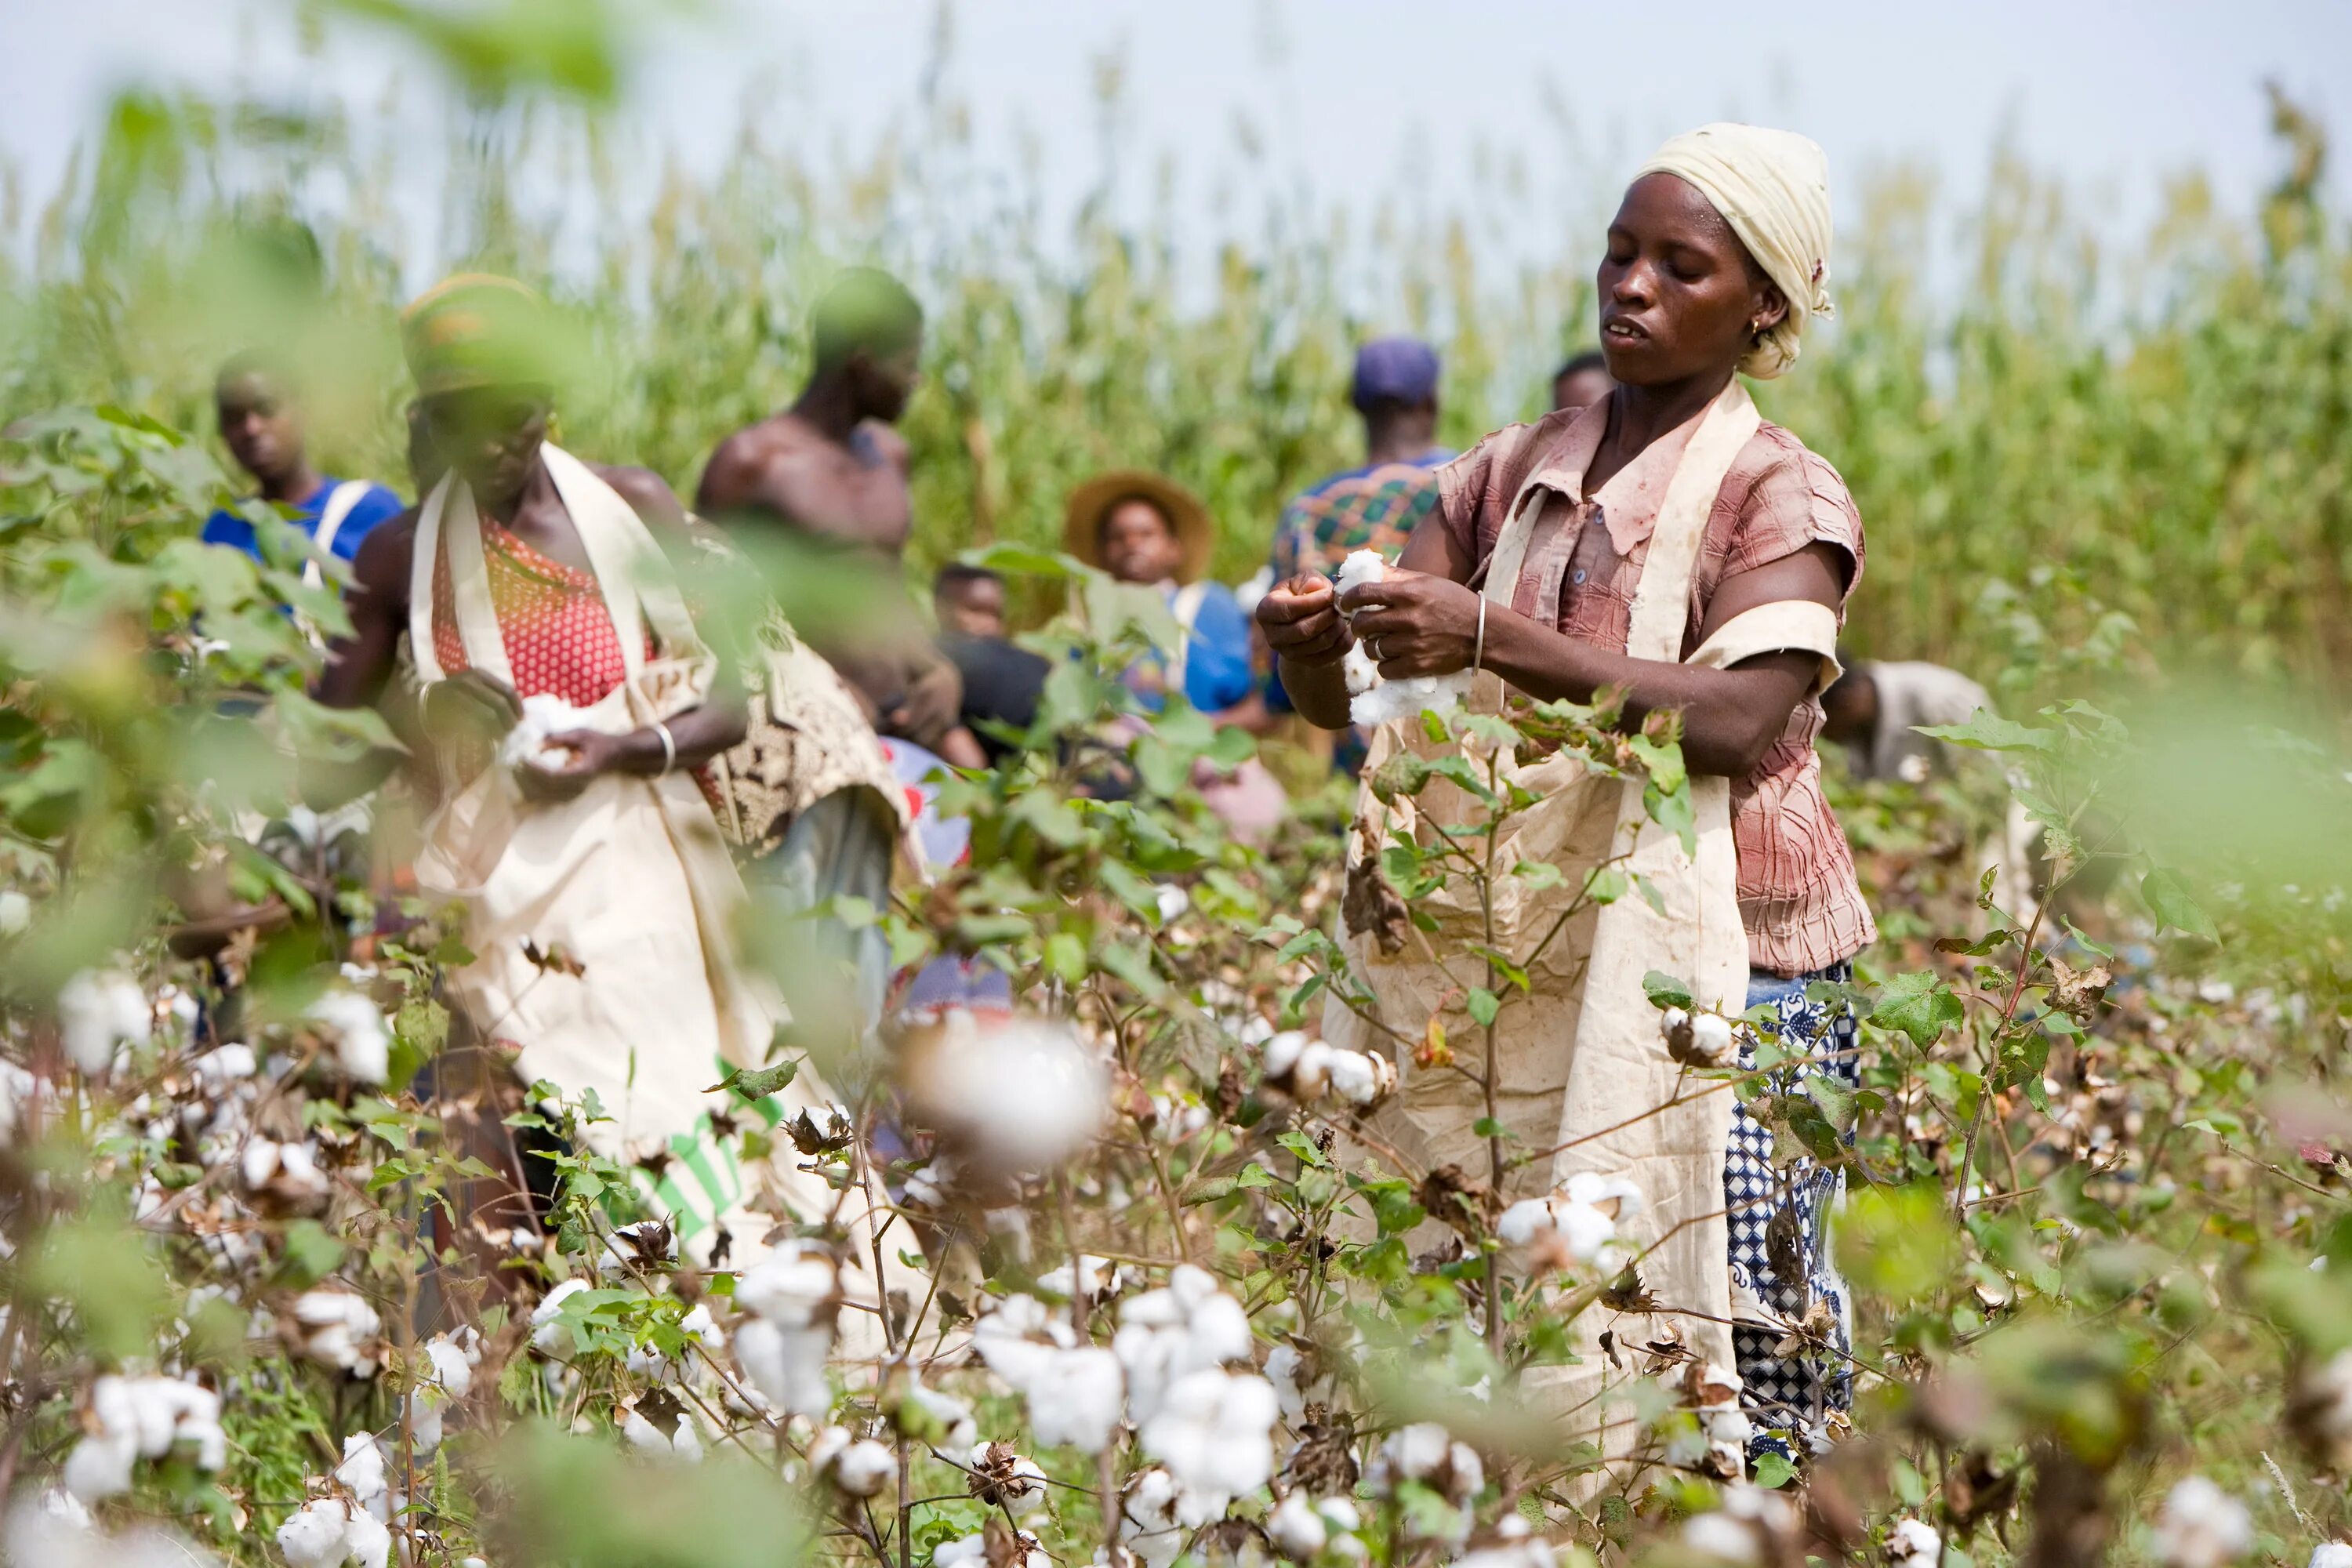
[(1373, 506)]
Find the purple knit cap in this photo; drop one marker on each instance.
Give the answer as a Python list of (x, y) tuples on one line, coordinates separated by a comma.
[(1402, 369)]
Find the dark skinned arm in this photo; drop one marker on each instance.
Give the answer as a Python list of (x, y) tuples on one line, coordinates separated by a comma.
[(1426, 624), (700, 732), (358, 672)]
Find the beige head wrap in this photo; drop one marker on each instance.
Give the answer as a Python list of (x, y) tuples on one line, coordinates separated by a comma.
[(1773, 188)]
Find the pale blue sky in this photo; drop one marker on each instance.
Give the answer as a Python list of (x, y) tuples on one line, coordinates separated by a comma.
[(1356, 101)]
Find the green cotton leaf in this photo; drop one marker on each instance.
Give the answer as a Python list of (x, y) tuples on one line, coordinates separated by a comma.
[(1304, 1147), (311, 1254), (1165, 769), (1130, 890), (1461, 772), (1540, 876), (1484, 1006), (2168, 899), (1920, 1005), (1132, 965), (1253, 1175), (1487, 1127), (1231, 747), (1664, 990), (1027, 561), (1676, 813), (1836, 1101), (1663, 763), (1214, 1190), (1988, 732), (1066, 957), (1774, 1471), (1434, 727), (758, 1083), (1604, 885)]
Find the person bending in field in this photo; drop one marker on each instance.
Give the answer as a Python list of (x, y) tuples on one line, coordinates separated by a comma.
[(564, 701), (1583, 382), (1665, 542), (261, 424)]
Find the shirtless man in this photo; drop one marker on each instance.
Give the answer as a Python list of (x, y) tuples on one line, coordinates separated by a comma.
[(830, 469)]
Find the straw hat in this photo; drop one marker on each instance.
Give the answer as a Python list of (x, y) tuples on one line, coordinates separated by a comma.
[(1091, 502)]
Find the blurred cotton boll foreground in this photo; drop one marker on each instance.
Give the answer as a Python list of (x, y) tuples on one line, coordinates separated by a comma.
[(1020, 1095)]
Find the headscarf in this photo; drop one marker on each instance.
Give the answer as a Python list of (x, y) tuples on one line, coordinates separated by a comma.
[(1773, 188), (475, 330)]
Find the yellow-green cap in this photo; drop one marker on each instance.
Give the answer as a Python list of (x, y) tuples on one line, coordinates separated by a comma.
[(475, 330)]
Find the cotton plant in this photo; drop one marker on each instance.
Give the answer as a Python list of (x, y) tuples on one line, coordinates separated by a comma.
[(791, 1299), (1311, 1071)]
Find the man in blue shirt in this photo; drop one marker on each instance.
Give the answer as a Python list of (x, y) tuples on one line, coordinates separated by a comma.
[(263, 431)]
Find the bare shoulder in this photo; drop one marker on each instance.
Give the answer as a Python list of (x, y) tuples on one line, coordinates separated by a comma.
[(748, 467), (647, 493), (381, 563)]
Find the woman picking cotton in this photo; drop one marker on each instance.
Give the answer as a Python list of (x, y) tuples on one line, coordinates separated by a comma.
[(1666, 542), (564, 696)]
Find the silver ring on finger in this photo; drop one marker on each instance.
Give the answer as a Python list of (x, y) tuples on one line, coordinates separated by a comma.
[(1379, 655)]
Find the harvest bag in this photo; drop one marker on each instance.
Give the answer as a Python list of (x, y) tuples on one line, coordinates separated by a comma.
[(1580, 1060)]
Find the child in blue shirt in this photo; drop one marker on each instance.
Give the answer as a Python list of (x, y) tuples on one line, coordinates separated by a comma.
[(263, 431)]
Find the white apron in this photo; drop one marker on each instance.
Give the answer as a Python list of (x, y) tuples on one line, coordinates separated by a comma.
[(1584, 1053), (629, 880)]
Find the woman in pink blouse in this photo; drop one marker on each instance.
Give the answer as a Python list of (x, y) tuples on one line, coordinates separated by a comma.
[(1715, 258)]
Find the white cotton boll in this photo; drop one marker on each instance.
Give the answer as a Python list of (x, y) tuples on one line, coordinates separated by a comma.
[(1721, 1537), (1390, 700), (1467, 1472), (1213, 1432), (1615, 1197), (223, 1066), (2202, 1526), (786, 1365), (367, 1541), (1362, 1078), (1079, 1401), (2331, 1554), (1357, 669), (1524, 1221), (1415, 1453), (1360, 567), (1914, 1543), (1023, 1094), (363, 1043), (1188, 1326), (547, 1334), (339, 1330), (16, 913), (864, 1467), (99, 1466), (1172, 901), (1296, 1529), (98, 1011), (1711, 1040), (526, 745), (316, 1533), (793, 1286), (948, 1413), (1521, 1552), (363, 1467), (1282, 1051)]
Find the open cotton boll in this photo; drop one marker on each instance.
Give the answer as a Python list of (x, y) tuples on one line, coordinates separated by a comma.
[(363, 1043), (786, 1365), (1372, 700), (1188, 1325), (2202, 1526), (543, 715), (1914, 1543), (2331, 1554), (98, 1011), (1528, 1553), (328, 1533), (1214, 1432), (132, 1418), (1021, 1094), (15, 912)]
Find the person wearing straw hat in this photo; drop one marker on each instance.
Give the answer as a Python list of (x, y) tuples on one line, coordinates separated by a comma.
[(565, 699), (1146, 528), (1667, 542)]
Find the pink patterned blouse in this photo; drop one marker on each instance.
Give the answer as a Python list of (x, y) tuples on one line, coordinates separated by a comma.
[(1798, 897)]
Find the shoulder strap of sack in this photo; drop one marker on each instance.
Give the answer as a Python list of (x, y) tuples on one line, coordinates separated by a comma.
[(639, 584), (1662, 600), (340, 501)]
